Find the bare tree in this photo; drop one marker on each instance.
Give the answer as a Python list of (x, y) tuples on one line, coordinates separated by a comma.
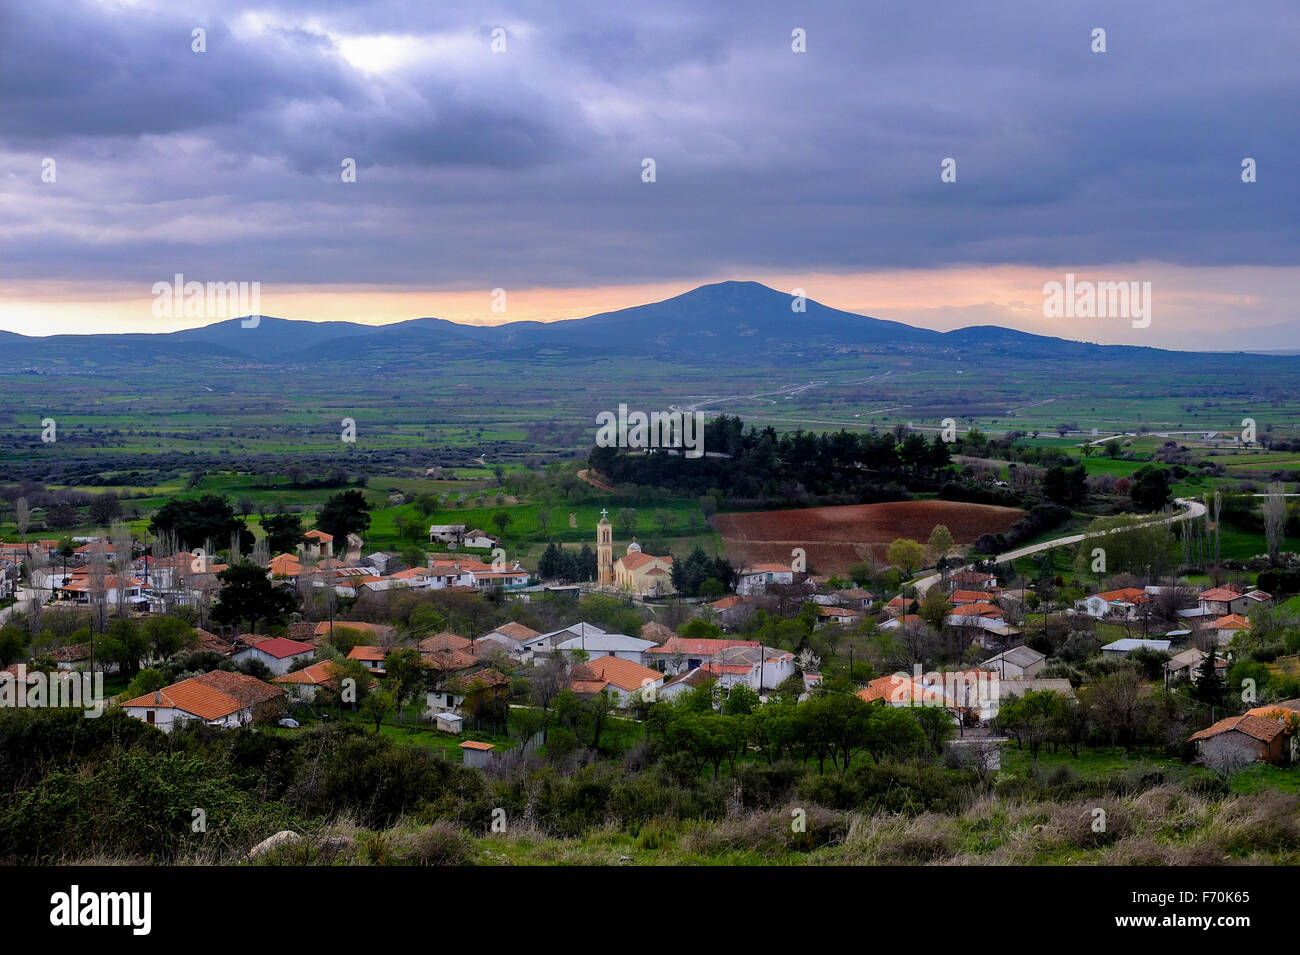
[(23, 516), (1224, 756), (97, 584), (123, 558), (1275, 519)]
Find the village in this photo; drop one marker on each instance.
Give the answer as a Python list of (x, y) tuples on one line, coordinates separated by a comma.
[(1004, 665)]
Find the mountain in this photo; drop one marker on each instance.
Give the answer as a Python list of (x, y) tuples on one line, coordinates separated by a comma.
[(727, 321)]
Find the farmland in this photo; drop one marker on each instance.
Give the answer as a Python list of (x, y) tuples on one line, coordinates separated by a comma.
[(835, 537)]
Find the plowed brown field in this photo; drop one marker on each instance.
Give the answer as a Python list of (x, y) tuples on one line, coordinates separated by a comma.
[(835, 537)]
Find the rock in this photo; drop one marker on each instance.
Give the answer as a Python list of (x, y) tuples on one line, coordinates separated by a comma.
[(281, 838)]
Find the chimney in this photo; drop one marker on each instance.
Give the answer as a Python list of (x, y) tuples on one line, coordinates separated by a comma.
[(157, 696)]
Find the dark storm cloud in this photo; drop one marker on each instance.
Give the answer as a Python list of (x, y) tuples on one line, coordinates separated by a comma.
[(524, 168)]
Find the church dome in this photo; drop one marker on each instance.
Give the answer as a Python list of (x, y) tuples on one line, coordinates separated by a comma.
[(634, 548)]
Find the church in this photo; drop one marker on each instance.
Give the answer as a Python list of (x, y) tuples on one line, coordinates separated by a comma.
[(635, 572)]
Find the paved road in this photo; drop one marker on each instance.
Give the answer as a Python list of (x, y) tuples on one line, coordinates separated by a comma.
[(1192, 509)]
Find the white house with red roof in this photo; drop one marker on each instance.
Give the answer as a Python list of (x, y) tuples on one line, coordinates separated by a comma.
[(758, 577), (682, 654), (278, 653)]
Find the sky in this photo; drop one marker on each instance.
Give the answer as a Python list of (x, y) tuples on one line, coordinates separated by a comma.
[(503, 146)]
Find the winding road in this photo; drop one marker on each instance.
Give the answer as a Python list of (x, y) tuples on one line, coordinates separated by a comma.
[(1192, 510)]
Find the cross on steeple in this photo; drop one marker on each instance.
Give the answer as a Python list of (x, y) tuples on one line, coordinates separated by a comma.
[(603, 512)]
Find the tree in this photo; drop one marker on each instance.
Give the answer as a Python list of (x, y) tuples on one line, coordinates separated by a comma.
[(906, 555), (210, 518), (1066, 486), (376, 706), (1113, 448), (940, 543), (347, 512), (283, 533), (625, 518), (502, 520), (406, 671), (935, 608), (1150, 488), (23, 515), (247, 594), (1275, 519), (1209, 688), (105, 508)]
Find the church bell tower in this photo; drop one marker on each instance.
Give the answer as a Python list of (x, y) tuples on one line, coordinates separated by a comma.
[(604, 550)]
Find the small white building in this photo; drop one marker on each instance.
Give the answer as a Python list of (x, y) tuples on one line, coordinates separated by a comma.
[(449, 722), (756, 579), (278, 653), (607, 645), (1121, 648)]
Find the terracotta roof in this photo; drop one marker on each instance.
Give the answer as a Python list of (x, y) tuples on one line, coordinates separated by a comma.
[(210, 696), (378, 629), (971, 596), (704, 647), (977, 610), (284, 565), (72, 654), (213, 643), (475, 744), (1233, 621), (280, 648), (1131, 595), (768, 569), (448, 660), (1258, 727), (487, 677), (367, 653), (621, 673), (445, 641), (516, 631), (1221, 593), (633, 561), (314, 675), (319, 535)]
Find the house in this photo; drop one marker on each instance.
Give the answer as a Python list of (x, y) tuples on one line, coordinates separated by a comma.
[(278, 653), (908, 621), (1223, 601), (1260, 738), (973, 580), (681, 654), (544, 643), (983, 615), (467, 683), (476, 754), (1225, 628), (757, 578), (959, 597), (446, 533), (855, 598), (445, 641), (285, 567), (477, 539), (74, 657), (1124, 602), (1187, 666), (1018, 663), (317, 545), (372, 658), (607, 644), (731, 611), (1122, 648), (624, 680), (219, 698), (760, 668), (900, 606), (839, 615), (303, 685)]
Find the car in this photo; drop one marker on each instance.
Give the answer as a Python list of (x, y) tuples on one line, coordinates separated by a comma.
[(289, 723)]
